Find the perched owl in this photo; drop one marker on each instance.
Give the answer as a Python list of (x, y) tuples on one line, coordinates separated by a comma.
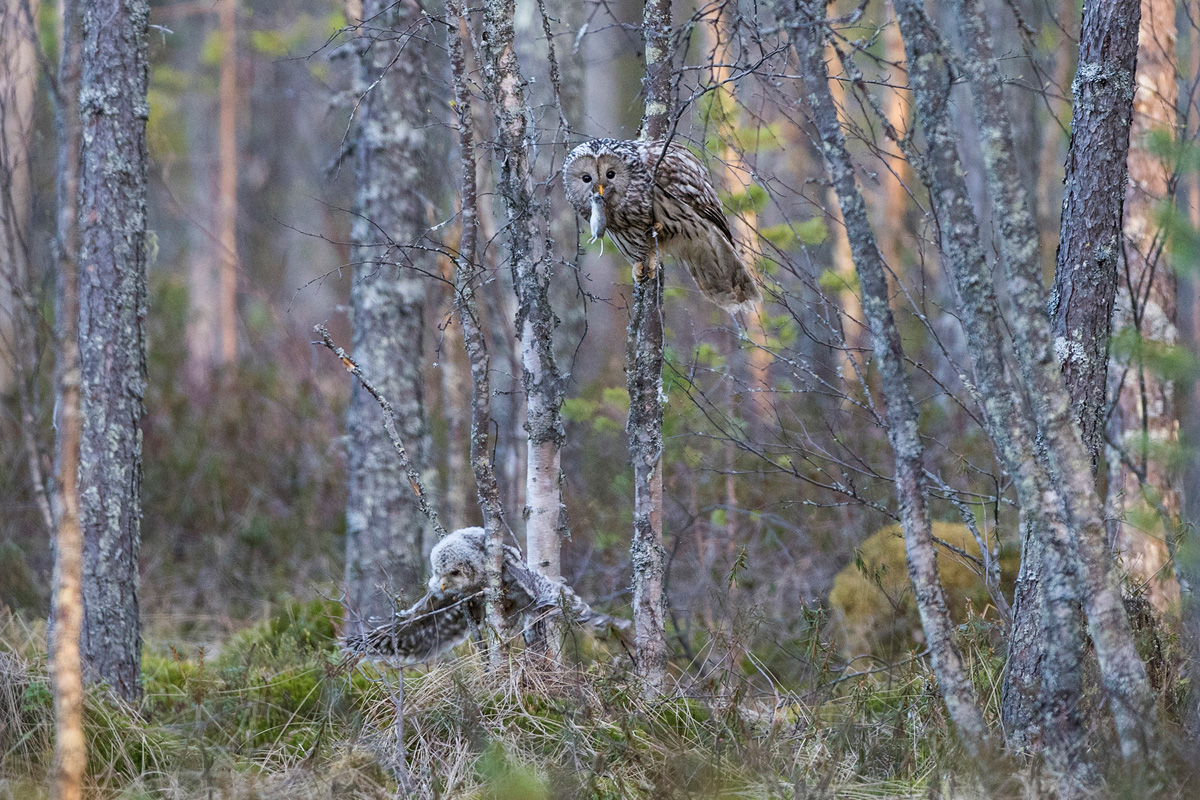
[(454, 605), (630, 190)]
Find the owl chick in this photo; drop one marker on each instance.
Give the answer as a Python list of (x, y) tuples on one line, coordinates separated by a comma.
[(633, 192), (454, 606)]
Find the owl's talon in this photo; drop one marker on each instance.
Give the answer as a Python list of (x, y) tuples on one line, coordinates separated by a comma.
[(642, 272)]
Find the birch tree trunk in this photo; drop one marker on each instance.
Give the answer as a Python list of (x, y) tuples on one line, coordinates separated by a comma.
[(385, 528), (643, 375), (112, 342), (530, 259), (808, 39), (1123, 674), (1085, 276), (1144, 421), (66, 663)]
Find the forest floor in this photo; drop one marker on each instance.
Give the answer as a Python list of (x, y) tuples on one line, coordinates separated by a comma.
[(276, 712)]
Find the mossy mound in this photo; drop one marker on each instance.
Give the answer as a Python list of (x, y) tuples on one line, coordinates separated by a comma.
[(872, 599)]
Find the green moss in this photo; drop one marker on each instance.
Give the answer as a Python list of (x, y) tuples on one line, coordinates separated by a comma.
[(873, 601)]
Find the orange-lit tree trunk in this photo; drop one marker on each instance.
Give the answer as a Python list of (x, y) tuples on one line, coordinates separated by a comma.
[(66, 664), (227, 156)]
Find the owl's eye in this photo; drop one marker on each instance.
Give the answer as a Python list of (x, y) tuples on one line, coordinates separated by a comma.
[(453, 573), (611, 174), (587, 178)]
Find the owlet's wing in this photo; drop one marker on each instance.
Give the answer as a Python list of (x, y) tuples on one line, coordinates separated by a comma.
[(432, 625)]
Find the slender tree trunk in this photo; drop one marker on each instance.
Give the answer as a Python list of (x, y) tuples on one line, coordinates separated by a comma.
[(808, 38), (643, 375), (467, 276), (227, 154), (1012, 432), (20, 315), (1085, 276), (66, 664), (1122, 672), (204, 311), (1144, 421), (385, 528), (112, 342), (530, 259), (18, 82)]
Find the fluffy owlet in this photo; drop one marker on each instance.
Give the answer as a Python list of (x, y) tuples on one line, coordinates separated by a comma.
[(632, 191), (453, 606)]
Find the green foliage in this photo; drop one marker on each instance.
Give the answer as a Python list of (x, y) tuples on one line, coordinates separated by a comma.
[(833, 281), (753, 198), (1170, 362)]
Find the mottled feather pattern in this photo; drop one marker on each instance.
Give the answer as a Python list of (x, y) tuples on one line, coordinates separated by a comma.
[(649, 195), (454, 605)]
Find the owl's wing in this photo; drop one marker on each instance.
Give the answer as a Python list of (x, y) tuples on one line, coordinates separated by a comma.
[(549, 598), (681, 177), (432, 625)]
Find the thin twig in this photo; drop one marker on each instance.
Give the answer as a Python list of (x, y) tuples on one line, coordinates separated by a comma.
[(389, 425)]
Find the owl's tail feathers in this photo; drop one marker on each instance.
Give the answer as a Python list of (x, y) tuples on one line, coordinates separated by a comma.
[(719, 271), (431, 626)]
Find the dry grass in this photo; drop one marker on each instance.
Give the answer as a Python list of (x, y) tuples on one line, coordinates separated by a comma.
[(276, 716)]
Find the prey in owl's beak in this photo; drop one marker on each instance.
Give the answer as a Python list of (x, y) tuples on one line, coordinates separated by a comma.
[(599, 221)]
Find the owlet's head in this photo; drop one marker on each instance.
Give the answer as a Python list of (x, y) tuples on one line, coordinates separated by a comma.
[(458, 562)]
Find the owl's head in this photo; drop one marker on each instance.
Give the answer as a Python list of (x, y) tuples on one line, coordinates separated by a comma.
[(597, 176), (458, 562)]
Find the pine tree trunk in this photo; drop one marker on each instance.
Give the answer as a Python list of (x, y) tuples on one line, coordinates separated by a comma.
[(18, 82), (1085, 276), (385, 528), (1144, 422), (112, 342)]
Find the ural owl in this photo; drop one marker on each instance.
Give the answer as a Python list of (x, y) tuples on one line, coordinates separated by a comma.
[(454, 605), (632, 191)]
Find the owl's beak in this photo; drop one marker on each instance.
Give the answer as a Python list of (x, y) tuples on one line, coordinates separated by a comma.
[(599, 215), (442, 585)]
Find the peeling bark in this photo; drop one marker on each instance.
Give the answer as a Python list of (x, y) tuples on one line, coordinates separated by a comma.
[(112, 342), (530, 260), (385, 528), (808, 39)]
